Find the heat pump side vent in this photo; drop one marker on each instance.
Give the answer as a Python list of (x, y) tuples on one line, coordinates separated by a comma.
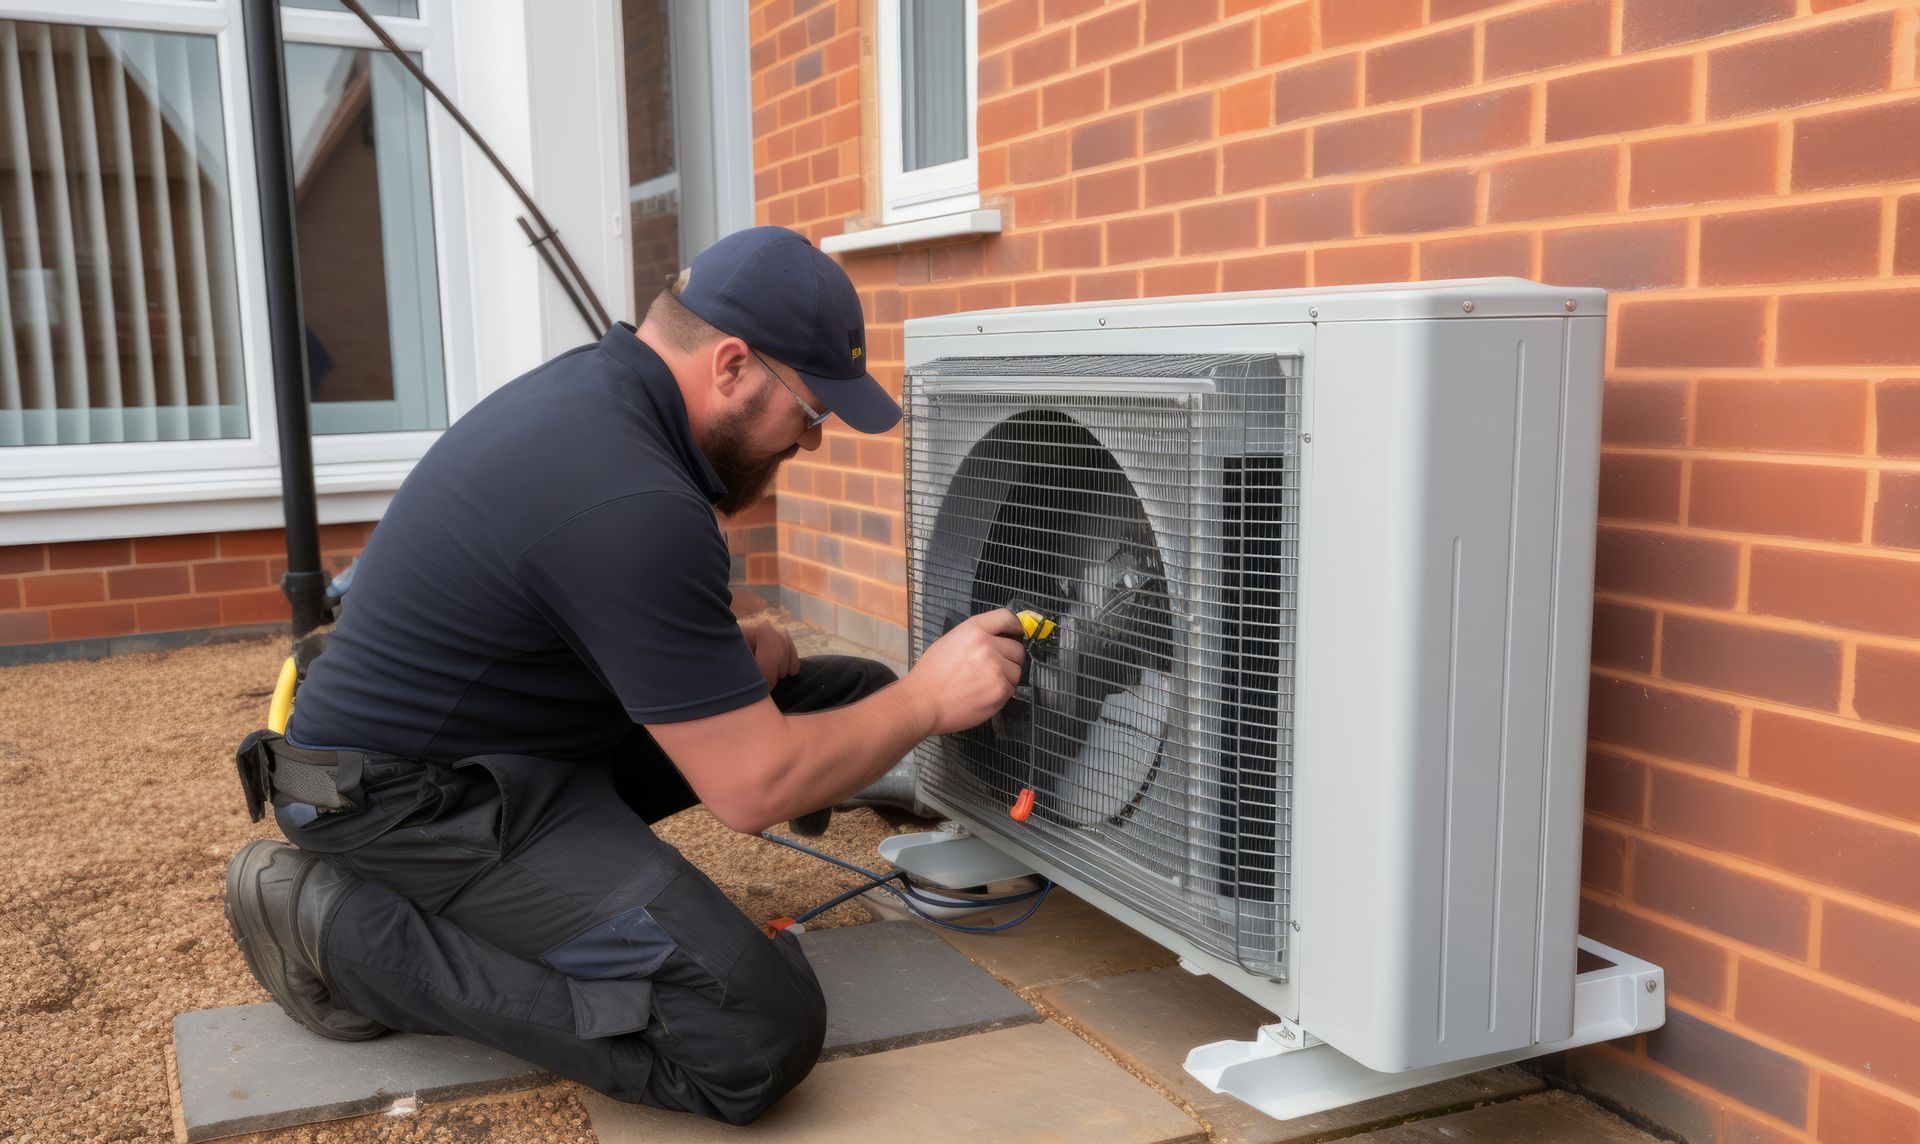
[(1257, 673)]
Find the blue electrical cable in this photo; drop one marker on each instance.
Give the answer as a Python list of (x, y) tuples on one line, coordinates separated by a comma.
[(878, 881), (823, 907)]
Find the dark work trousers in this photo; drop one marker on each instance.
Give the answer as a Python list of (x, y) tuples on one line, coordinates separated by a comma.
[(524, 903)]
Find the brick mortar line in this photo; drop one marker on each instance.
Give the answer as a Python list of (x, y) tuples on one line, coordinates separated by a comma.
[(1735, 698), (1755, 373), (1852, 461), (833, 568), (1540, 79), (1480, 164), (1827, 719), (1743, 749), (1872, 640), (1785, 117), (1365, 241), (1543, 226), (1750, 869), (1756, 621), (1833, 547), (1794, 795)]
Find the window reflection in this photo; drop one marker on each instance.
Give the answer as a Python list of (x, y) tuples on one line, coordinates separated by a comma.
[(364, 213)]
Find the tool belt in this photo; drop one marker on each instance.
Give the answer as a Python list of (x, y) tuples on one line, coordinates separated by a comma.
[(274, 770)]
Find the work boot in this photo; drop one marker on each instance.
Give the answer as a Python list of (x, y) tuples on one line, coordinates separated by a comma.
[(278, 903)]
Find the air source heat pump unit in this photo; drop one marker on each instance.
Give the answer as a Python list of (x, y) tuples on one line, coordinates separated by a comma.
[(1315, 712)]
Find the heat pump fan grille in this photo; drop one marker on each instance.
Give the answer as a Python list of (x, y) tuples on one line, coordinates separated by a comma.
[(1152, 503)]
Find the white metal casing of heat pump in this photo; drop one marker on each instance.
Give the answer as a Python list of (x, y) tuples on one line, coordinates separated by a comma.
[(1450, 450)]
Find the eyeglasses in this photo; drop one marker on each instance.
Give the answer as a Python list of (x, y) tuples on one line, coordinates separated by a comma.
[(814, 420)]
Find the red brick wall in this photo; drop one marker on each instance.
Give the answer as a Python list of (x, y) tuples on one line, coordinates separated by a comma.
[(101, 588), (1745, 176)]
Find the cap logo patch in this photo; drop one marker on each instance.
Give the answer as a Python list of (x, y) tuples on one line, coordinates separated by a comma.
[(853, 345)]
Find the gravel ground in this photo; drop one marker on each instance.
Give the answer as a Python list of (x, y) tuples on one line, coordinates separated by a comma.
[(118, 812)]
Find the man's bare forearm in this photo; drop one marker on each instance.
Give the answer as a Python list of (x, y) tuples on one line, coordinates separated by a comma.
[(834, 755)]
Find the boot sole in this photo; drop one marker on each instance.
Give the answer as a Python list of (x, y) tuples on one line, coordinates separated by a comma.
[(247, 921)]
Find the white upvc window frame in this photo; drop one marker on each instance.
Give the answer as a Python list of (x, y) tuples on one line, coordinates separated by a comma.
[(156, 488), (950, 188)]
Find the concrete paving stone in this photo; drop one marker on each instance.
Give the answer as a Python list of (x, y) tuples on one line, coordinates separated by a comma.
[(1544, 1118), (1033, 1083), (893, 984), (248, 1068), (1149, 1019), (1068, 940)]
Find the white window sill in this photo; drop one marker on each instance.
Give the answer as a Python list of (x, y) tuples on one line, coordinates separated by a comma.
[(102, 508), (900, 235)]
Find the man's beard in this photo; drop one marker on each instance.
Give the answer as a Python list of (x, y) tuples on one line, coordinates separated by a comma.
[(747, 477)]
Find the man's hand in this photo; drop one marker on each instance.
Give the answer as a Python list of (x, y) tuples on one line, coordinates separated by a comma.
[(772, 649), (754, 766), (969, 673)]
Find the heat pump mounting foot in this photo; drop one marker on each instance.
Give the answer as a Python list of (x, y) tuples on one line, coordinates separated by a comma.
[(950, 857), (1285, 1079)]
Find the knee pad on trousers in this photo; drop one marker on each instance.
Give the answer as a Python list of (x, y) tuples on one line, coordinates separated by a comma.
[(732, 1060)]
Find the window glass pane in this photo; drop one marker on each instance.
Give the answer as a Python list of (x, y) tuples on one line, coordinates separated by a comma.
[(654, 197), (408, 8), (933, 82), (363, 206), (119, 318)]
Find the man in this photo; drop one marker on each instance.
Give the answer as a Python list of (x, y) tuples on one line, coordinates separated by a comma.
[(539, 660)]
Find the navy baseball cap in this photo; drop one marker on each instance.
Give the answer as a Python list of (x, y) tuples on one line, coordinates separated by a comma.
[(770, 287)]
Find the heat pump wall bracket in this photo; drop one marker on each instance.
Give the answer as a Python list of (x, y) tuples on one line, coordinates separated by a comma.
[(1286, 1080)]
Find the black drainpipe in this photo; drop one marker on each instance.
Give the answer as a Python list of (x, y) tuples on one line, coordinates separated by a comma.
[(305, 582)]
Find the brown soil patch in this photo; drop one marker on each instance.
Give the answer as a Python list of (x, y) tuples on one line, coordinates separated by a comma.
[(118, 812)]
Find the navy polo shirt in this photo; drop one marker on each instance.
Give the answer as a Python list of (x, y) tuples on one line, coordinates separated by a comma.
[(549, 575)]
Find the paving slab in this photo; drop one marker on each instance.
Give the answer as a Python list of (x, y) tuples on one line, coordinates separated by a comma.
[(248, 1068), (1150, 1018), (1067, 940), (1029, 1084), (893, 984), (1545, 1118)]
